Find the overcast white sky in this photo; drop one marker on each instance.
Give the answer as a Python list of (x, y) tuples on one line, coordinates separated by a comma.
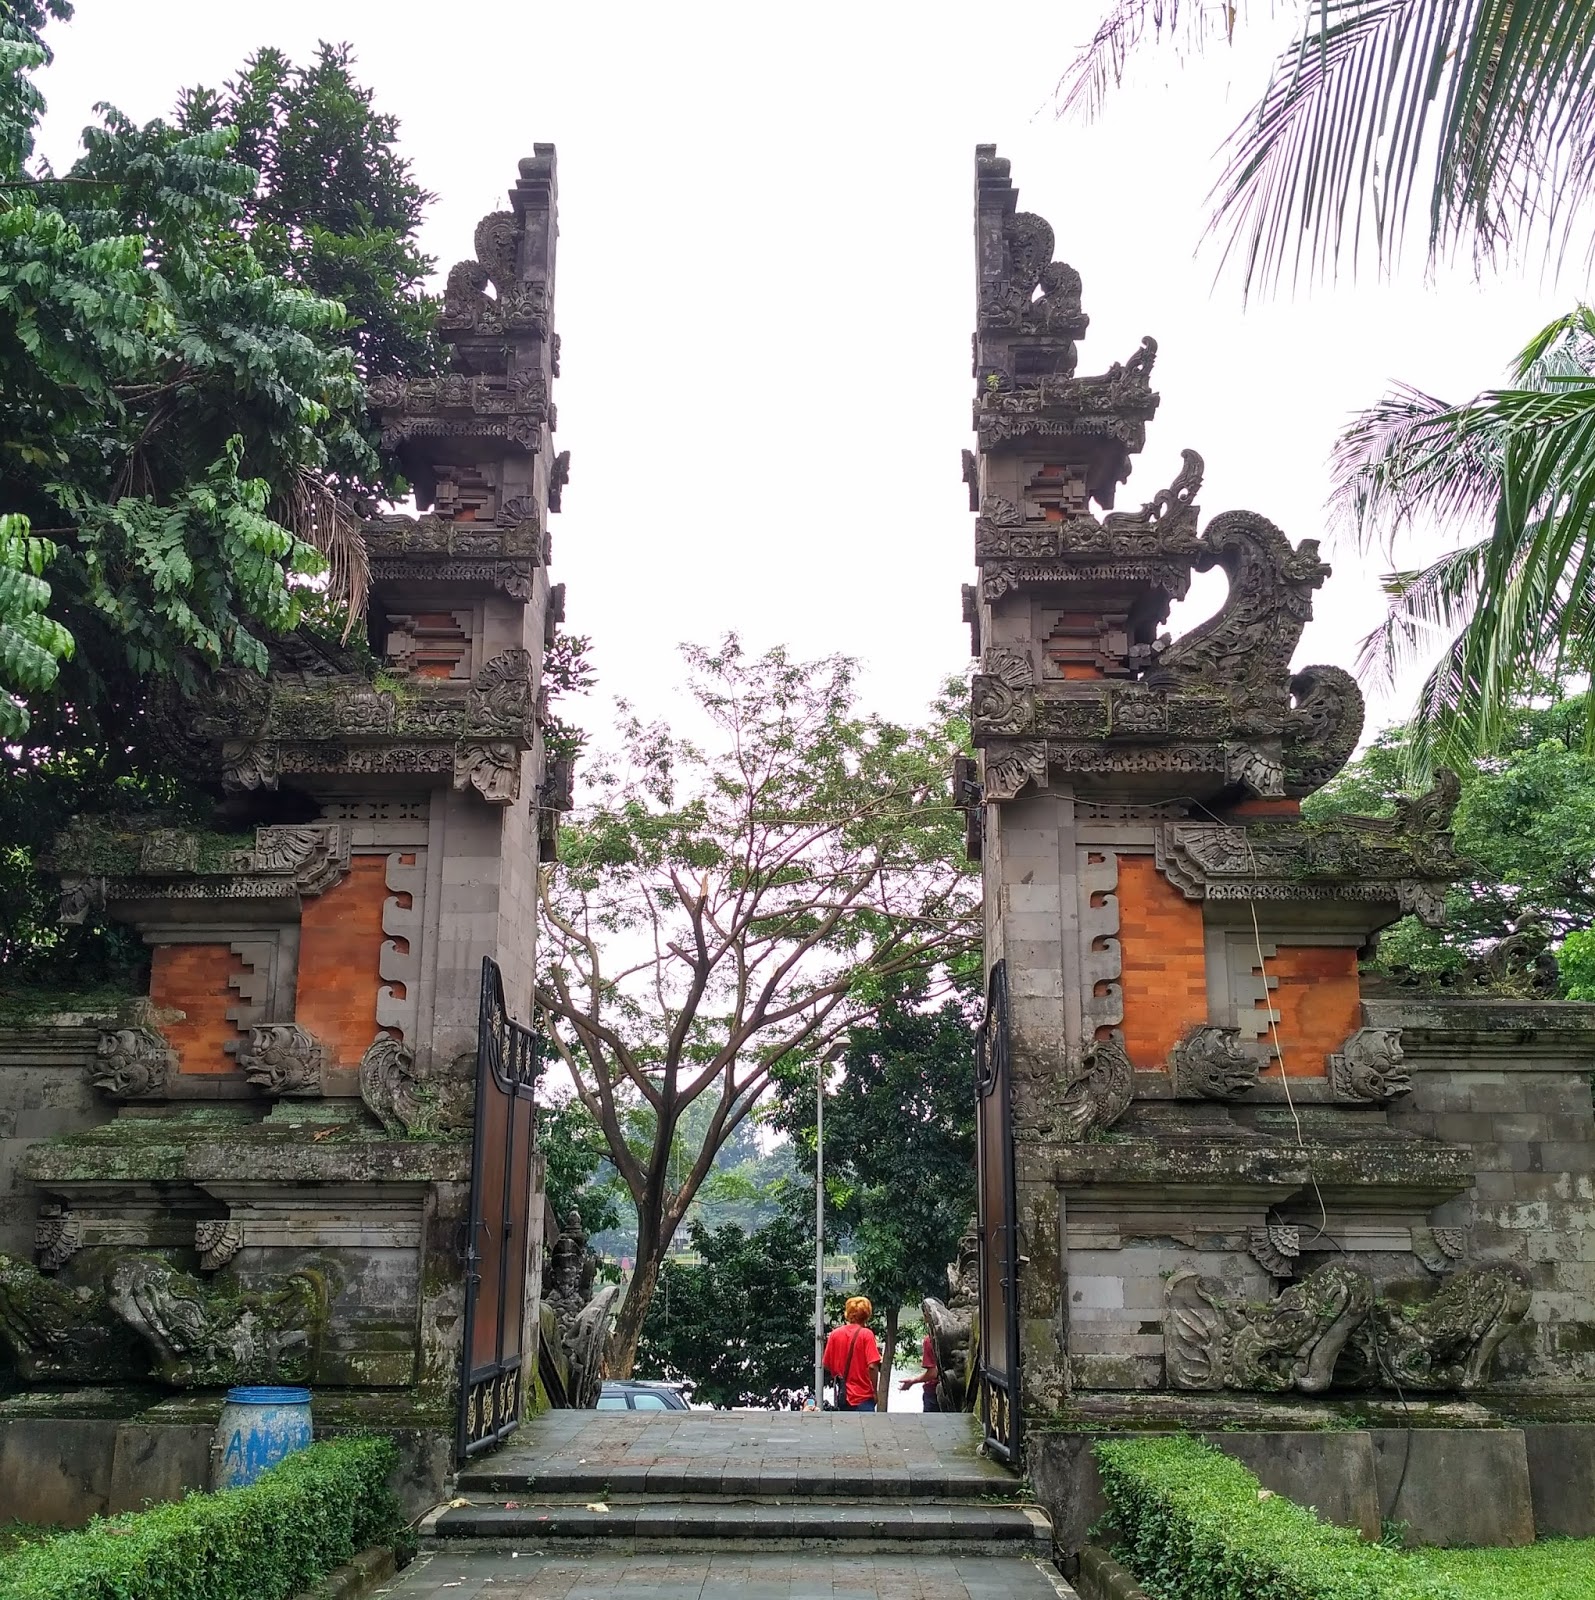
[(766, 287)]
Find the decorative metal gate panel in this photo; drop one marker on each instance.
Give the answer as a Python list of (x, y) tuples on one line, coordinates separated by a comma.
[(499, 1241), (998, 1374)]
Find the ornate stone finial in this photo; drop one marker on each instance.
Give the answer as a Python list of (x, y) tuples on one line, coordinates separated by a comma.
[(1439, 1249), (1213, 1063), (133, 1062), (1097, 1088), (1275, 1248), (1293, 1342), (57, 1237), (202, 1339), (282, 1058), (1368, 1068), (218, 1240)]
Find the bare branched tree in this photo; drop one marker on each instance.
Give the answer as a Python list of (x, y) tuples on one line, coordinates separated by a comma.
[(718, 912)]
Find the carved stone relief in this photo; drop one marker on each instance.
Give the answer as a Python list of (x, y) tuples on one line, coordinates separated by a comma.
[(405, 1102), (133, 1063), (1332, 1328), (1275, 1248), (283, 1058), (204, 1338), (62, 1335), (1009, 768), (57, 1237), (218, 1240), (1369, 1068), (1213, 1063), (951, 1325), (1211, 1341), (1096, 1088)]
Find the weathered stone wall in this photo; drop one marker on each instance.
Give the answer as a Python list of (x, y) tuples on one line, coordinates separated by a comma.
[(44, 1090), (1513, 1081)]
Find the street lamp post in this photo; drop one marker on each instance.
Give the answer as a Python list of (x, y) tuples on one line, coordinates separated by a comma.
[(819, 1235)]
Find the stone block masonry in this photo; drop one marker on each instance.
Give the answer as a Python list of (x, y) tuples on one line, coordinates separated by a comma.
[(1234, 1171)]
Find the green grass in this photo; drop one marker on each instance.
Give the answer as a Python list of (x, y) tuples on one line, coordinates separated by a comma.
[(1556, 1569), (13, 1535)]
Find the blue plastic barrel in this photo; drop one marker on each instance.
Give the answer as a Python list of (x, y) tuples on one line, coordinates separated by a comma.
[(259, 1426)]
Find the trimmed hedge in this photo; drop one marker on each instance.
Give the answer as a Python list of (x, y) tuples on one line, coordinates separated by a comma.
[(1193, 1524), (284, 1533)]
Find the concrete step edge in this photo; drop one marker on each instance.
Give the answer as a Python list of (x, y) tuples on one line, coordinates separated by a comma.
[(686, 1519)]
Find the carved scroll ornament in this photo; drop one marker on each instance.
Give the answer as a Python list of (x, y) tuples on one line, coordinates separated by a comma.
[(1097, 1088), (133, 1063), (407, 1104)]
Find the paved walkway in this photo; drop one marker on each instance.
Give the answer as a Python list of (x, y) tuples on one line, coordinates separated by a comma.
[(715, 1505), (803, 1575)]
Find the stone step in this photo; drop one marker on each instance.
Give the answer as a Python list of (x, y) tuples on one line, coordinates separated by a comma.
[(941, 1481), (682, 1524)]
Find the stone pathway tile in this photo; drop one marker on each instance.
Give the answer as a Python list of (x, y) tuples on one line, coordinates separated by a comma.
[(802, 1575)]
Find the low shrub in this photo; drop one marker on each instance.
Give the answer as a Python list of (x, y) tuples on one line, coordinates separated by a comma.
[(282, 1534), (1193, 1524), (1557, 1569)]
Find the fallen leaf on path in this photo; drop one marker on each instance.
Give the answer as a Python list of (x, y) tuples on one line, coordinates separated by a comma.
[(596, 1505)]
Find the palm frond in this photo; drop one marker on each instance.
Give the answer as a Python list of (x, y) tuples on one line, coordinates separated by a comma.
[(1519, 602), (313, 512), (1488, 105), (1098, 67)]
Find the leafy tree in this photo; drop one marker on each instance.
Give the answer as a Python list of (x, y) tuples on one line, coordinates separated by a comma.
[(716, 913), (738, 1324), (1512, 474), (1526, 822), (184, 439), (899, 1150), (575, 1153), (337, 208)]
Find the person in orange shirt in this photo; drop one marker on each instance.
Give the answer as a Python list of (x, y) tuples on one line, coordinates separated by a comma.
[(853, 1357)]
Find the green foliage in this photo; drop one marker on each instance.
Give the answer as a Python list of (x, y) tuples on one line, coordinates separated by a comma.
[(1470, 114), (899, 1145), (184, 438), (1526, 820), (566, 671), (337, 208), (1193, 1524), (738, 1325), (573, 1147), (1555, 1569), (31, 643), (285, 1532), (1511, 474)]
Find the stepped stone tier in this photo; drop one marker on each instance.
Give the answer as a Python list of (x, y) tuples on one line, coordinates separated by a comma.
[(268, 1180), (1240, 1168)]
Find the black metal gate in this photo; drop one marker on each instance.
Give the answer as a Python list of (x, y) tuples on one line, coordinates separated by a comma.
[(499, 1240), (998, 1394)]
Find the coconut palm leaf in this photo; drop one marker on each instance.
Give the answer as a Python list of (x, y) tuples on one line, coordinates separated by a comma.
[(1519, 602), (314, 513), (1480, 111)]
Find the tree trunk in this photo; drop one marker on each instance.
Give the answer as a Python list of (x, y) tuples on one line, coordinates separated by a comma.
[(883, 1391), (621, 1355)]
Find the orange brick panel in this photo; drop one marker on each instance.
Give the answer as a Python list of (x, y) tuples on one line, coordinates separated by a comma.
[(1164, 971), (340, 945), (192, 978), (1319, 1003)]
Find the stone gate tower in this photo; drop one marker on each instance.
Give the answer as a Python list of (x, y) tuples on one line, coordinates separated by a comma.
[(1233, 1165), (268, 1179)]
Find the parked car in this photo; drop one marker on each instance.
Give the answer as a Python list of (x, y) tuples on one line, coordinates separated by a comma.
[(626, 1395)]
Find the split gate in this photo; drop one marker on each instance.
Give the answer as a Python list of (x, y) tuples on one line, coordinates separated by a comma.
[(498, 1241), (997, 1376)]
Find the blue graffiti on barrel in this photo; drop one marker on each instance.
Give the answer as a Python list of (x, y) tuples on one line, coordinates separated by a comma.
[(259, 1426)]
